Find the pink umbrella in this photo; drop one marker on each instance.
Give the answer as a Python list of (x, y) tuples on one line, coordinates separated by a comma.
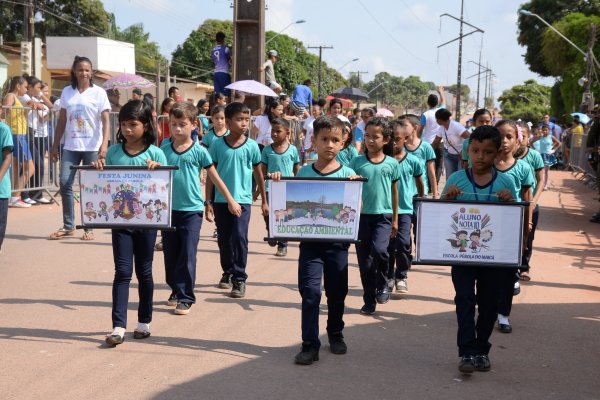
[(384, 112), (127, 81)]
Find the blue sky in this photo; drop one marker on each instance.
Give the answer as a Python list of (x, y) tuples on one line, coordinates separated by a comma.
[(397, 36)]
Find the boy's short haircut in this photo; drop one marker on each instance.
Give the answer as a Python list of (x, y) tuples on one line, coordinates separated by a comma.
[(172, 90), (327, 122), (184, 109), (545, 126), (220, 36), (236, 108), (369, 111), (443, 114), (322, 102), (282, 122), (486, 132), (432, 100)]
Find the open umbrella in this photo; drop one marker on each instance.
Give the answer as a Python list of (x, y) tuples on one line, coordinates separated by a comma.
[(384, 112), (351, 93), (252, 87), (127, 81), (583, 118)]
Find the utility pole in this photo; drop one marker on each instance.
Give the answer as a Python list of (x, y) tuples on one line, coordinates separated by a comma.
[(358, 75), (478, 74), (587, 101), (320, 64), (460, 40), (157, 85)]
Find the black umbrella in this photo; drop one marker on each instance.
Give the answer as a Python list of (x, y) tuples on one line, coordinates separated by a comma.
[(351, 93)]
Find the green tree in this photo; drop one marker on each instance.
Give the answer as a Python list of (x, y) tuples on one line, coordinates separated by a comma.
[(531, 30), (191, 59), (56, 18), (294, 66), (564, 61), (465, 90), (147, 53), (408, 93), (529, 101)]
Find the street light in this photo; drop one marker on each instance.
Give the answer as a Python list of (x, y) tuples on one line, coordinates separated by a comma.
[(382, 83), (300, 21), (530, 14), (346, 63), (525, 97)]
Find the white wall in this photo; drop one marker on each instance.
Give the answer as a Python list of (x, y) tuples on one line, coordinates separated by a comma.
[(106, 55)]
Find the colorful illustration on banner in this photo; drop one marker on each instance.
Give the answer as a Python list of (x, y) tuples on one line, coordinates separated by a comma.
[(470, 231)]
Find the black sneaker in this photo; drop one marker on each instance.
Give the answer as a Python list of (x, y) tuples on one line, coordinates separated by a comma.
[(172, 301), (238, 289), (368, 309), (225, 282), (183, 308), (113, 340), (308, 354), (482, 363), (281, 251), (337, 344), (466, 364), (383, 295)]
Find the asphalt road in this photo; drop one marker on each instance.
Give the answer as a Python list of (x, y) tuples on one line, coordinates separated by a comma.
[(55, 305)]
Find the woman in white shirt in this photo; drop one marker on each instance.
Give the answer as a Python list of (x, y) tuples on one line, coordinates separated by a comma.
[(261, 129), (452, 134), (84, 122)]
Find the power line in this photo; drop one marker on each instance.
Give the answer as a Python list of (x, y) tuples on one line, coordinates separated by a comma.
[(384, 29)]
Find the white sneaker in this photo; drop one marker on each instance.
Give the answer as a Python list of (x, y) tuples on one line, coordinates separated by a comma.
[(43, 200), (18, 204), (29, 201), (401, 286)]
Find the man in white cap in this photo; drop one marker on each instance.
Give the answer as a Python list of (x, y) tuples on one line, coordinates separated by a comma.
[(270, 71)]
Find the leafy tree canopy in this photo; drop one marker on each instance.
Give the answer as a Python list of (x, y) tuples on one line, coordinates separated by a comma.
[(294, 66), (408, 93), (147, 53), (528, 102), (531, 29)]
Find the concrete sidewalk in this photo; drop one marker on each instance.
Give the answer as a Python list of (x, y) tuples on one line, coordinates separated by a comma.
[(55, 305)]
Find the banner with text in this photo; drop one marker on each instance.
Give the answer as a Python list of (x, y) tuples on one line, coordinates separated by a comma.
[(323, 209), (125, 198), (455, 233)]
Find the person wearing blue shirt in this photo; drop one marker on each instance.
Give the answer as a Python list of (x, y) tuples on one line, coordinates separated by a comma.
[(477, 285), (237, 159), (279, 156), (6, 147), (379, 214), (221, 58), (323, 261), (181, 245), (302, 99), (410, 184)]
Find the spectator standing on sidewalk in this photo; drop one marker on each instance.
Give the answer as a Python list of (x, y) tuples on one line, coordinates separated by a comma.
[(430, 128), (84, 122)]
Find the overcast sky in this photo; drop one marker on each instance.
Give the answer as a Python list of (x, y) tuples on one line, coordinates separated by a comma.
[(397, 36)]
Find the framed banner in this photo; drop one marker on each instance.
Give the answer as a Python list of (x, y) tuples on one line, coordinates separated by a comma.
[(125, 197), (469, 233), (314, 209)]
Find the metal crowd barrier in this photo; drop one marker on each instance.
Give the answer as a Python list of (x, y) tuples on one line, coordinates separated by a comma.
[(32, 171), (578, 161)]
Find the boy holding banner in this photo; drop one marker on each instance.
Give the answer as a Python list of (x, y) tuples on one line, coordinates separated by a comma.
[(478, 284), (328, 260)]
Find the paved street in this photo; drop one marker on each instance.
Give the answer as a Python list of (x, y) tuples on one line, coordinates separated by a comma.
[(55, 300)]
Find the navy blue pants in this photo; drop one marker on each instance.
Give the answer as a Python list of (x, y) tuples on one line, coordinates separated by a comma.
[(400, 249), (3, 219), (328, 261), (222, 79), (507, 287), (180, 248), (475, 286), (233, 240), (129, 246), (529, 249), (374, 235)]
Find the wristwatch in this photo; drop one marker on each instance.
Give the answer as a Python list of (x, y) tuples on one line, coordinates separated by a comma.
[(208, 203)]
